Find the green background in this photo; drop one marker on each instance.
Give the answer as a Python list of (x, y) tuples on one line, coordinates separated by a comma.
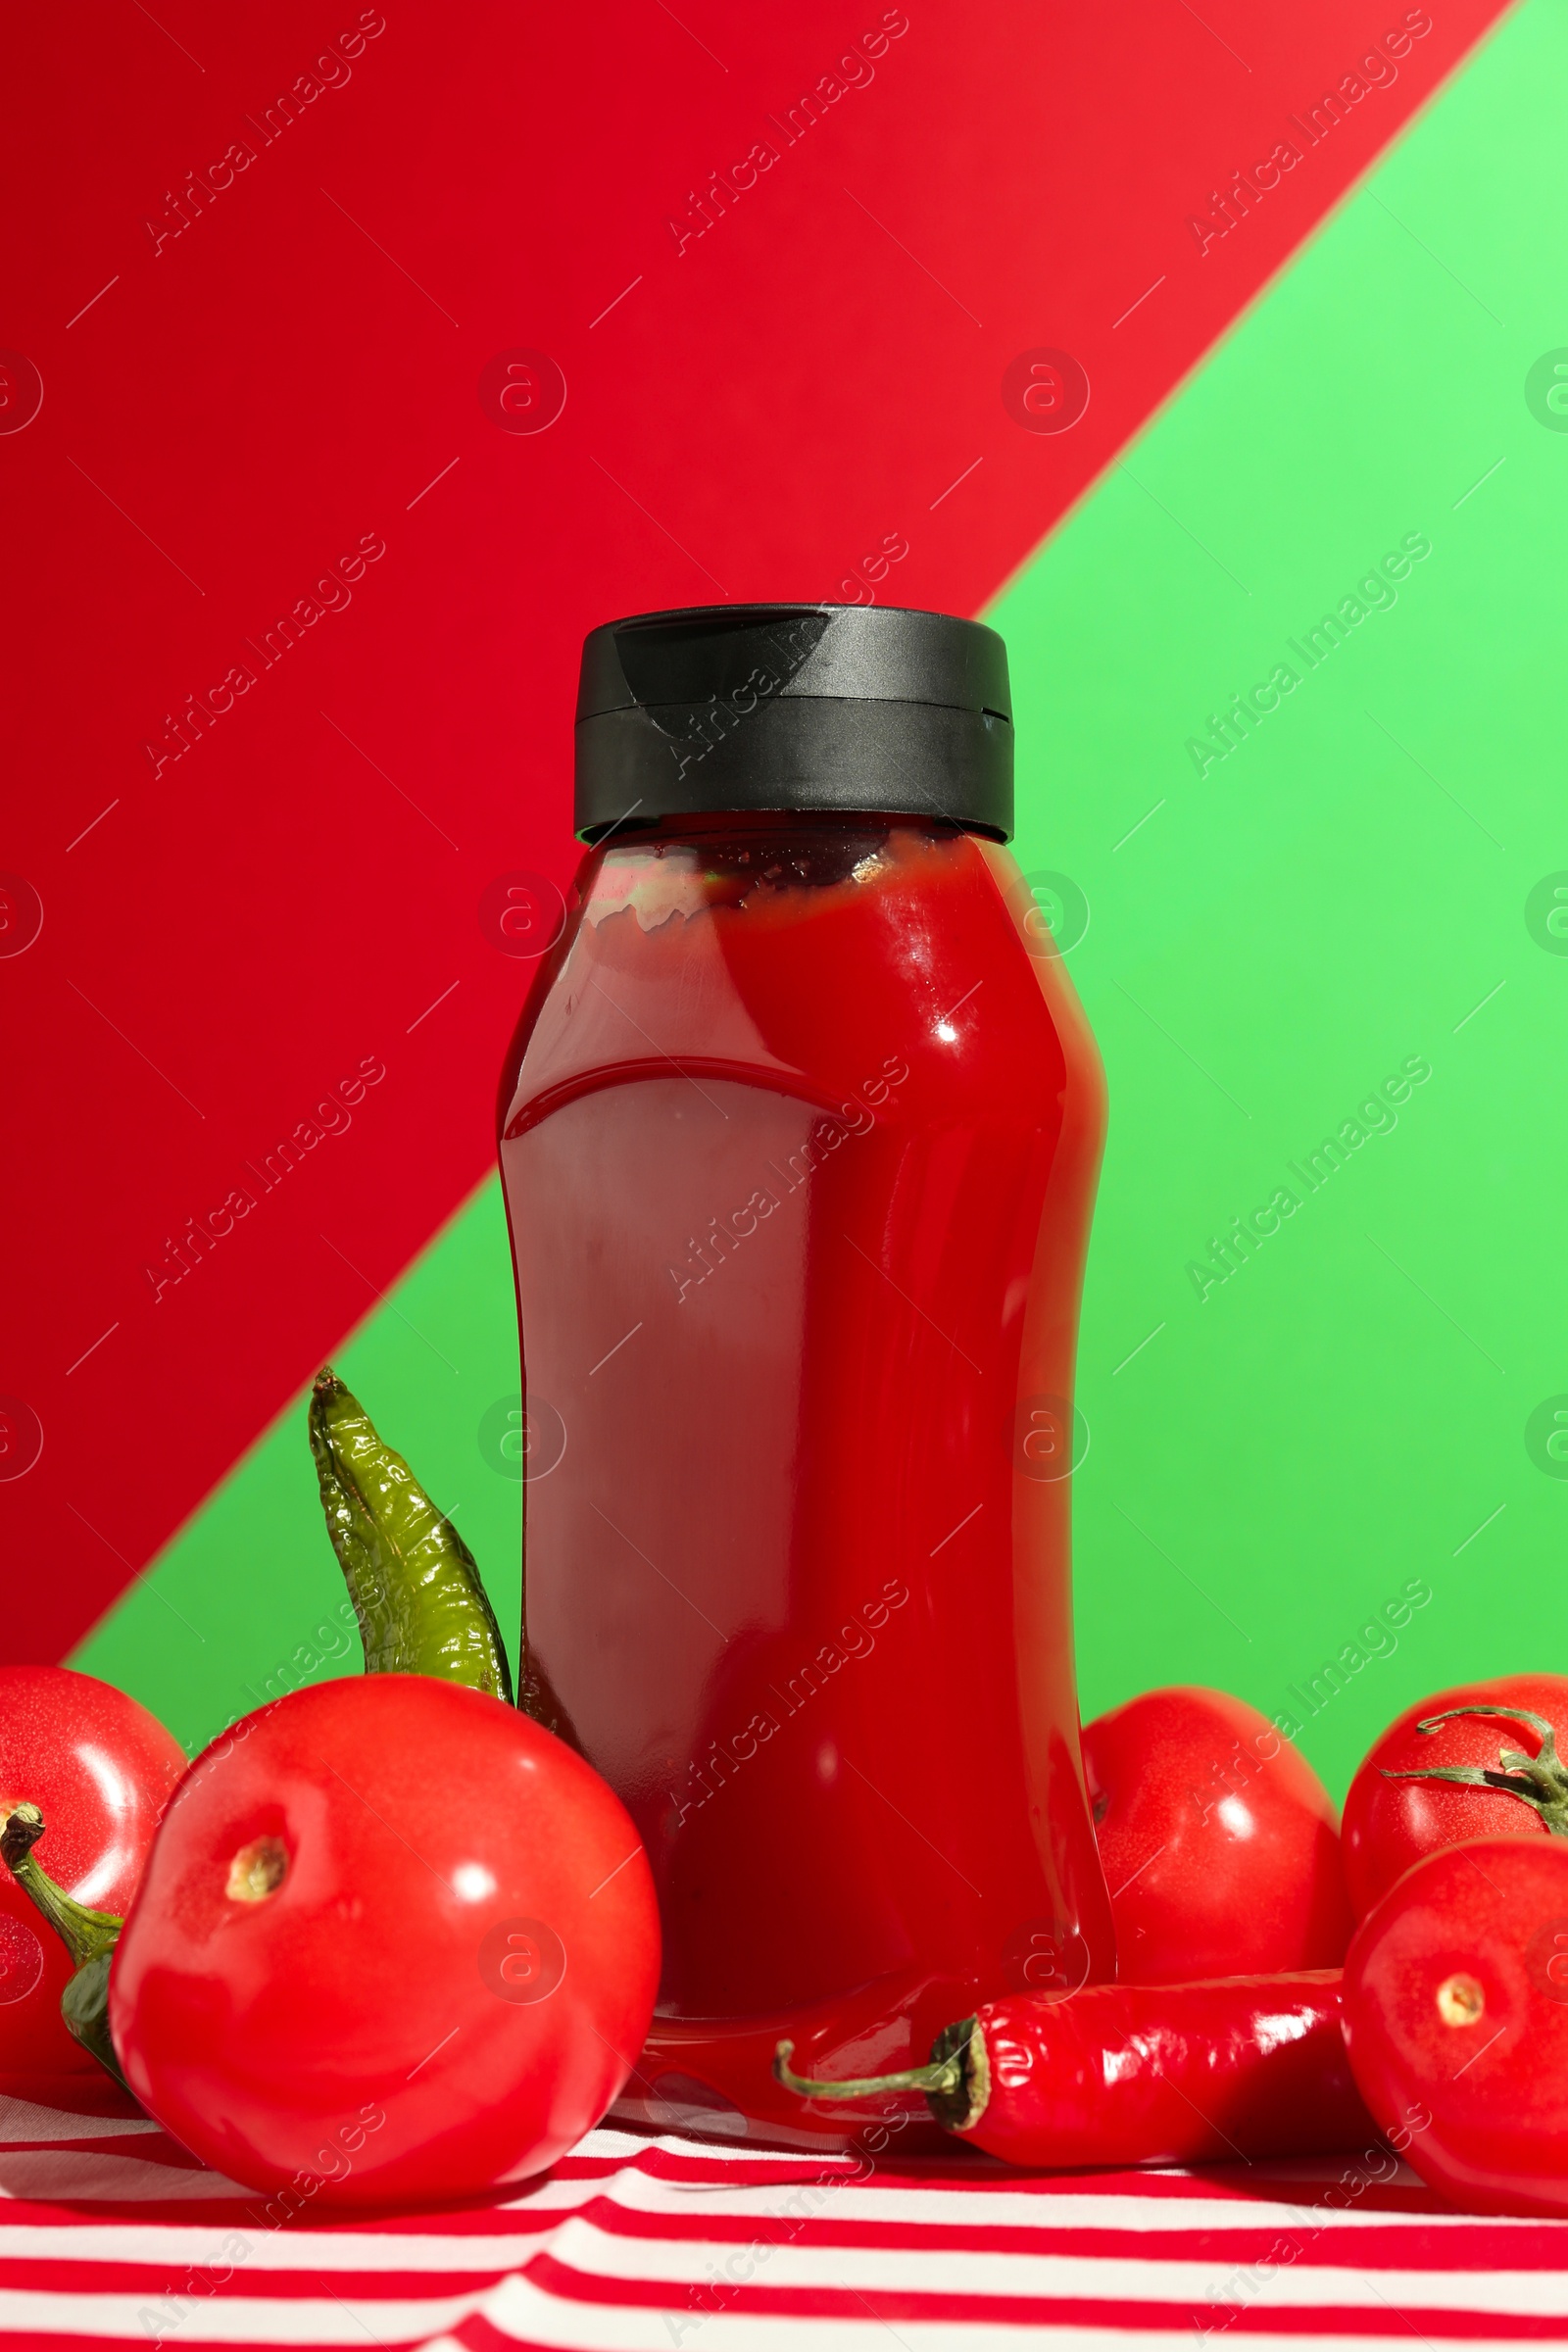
[(1347, 1415)]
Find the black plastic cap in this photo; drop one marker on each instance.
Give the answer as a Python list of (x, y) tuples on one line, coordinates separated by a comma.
[(858, 707)]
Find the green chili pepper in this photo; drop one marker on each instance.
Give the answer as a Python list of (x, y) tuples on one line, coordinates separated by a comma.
[(416, 1590), (89, 1936)]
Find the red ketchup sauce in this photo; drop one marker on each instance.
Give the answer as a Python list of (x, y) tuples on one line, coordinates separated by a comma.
[(799, 1136)]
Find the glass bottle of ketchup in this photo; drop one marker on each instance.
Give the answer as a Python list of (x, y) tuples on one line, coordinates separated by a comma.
[(800, 1134)]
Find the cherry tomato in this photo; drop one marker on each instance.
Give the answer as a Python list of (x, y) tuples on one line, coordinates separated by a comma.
[(1218, 1842), (394, 1943), (1390, 1823), (100, 1769), (1456, 2020)]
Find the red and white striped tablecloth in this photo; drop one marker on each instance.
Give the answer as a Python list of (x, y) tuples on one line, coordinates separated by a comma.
[(109, 2235)]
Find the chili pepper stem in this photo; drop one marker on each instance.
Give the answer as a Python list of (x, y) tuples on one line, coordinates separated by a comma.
[(89, 1936), (916, 2077), (956, 2082), (1539, 1781)]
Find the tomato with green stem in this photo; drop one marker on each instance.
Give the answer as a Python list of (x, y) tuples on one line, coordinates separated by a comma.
[(1474, 1762), (101, 1769)]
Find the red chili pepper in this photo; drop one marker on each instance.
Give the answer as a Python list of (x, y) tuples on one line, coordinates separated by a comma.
[(1139, 2074)]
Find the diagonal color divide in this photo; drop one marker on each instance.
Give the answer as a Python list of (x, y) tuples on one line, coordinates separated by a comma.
[(308, 900)]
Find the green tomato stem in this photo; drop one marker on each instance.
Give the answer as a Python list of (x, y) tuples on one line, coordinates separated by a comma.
[(89, 1936), (1539, 1781)]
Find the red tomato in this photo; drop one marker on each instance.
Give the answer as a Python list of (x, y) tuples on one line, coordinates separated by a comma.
[(100, 1769), (1390, 1823), (1218, 1842), (1456, 2022), (394, 1943)]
